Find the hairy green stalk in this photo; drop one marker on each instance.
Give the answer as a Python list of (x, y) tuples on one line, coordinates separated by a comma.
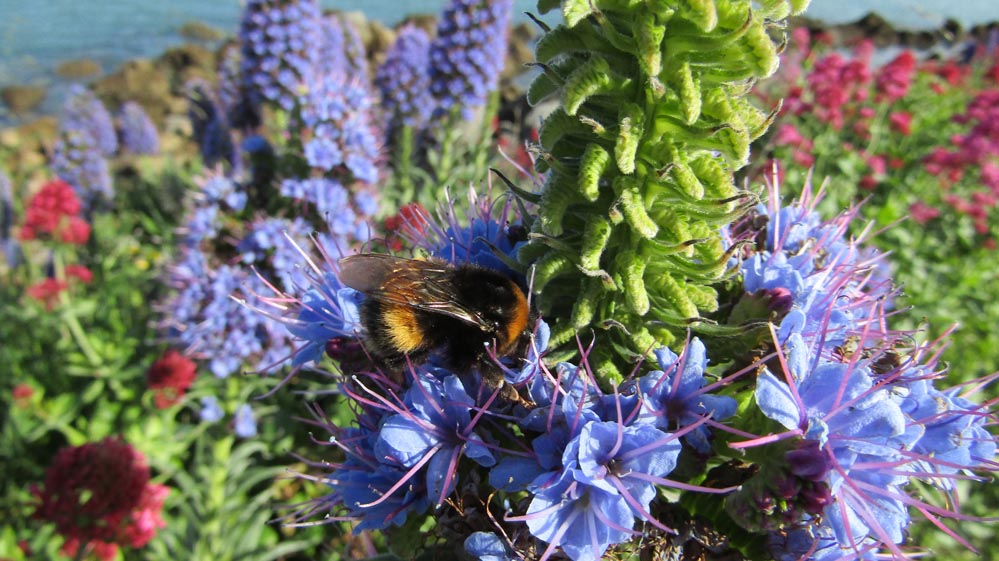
[(653, 119)]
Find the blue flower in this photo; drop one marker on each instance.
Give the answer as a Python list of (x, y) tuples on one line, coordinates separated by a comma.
[(467, 55), (867, 426), (327, 311), (486, 546), (404, 81), (275, 246), (210, 411), (244, 423), (76, 160), (605, 482), (436, 430), (674, 397), (822, 282), (138, 134), (85, 113), (279, 45), (342, 136)]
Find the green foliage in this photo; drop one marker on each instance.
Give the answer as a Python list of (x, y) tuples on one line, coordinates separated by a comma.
[(649, 94)]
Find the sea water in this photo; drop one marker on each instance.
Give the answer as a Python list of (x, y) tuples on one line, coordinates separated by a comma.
[(37, 35)]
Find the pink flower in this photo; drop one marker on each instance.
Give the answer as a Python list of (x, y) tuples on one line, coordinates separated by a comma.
[(878, 164), (788, 135), (922, 213), (894, 79), (901, 122)]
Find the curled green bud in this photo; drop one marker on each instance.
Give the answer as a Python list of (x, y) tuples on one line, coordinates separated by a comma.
[(558, 193), (761, 50), (548, 267), (633, 207), (590, 78), (716, 180), (649, 35), (690, 93), (632, 270), (595, 236), (591, 169), (701, 12), (630, 129), (675, 294), (585, 306)]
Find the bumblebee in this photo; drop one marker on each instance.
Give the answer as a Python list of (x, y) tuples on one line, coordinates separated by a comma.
[(415, 307)]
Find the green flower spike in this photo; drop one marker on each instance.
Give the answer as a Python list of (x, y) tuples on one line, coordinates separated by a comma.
[(653, 120)]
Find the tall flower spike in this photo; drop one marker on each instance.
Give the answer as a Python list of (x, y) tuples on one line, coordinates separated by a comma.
[(278, 44), (652, 121), (403, 79), (76, 159), (467, 55), (84, 112), (138, 133), (340, 134)]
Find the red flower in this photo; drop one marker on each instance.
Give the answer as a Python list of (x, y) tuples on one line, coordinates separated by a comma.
[(80, 273), (54, 210), (170, 377), (411, 221), (98, 496), (21, 394), (47, 291), (76, 231), (868, 183)]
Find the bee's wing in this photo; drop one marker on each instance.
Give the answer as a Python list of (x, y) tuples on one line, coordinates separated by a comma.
[(366, 272), (419, 284)]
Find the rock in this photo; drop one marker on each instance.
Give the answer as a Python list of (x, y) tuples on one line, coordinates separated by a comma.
[(79, 68), (200, 31), (27, 144), (425, 22), (139, 80), (381, 38), (189, 61), (22, 99)]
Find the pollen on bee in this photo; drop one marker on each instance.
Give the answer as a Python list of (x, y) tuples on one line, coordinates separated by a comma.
[(403, 328)]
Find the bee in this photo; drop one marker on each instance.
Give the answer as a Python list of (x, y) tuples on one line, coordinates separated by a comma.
[(415, 307)]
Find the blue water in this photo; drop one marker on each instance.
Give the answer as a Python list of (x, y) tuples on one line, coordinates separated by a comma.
[(36, 35)]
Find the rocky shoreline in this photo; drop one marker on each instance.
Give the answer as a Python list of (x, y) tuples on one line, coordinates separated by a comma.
[(158, 83)]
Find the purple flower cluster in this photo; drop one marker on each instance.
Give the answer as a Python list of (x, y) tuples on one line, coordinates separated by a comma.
[(807, 265), (279, 46), (468, 53), (210, 127), (84, 112), (77, 161), (862, 418), (9, 246), (138, 133), (347, 214), (274, 246), (214, 311), (404, 79), (591, 462), (340, 130)]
